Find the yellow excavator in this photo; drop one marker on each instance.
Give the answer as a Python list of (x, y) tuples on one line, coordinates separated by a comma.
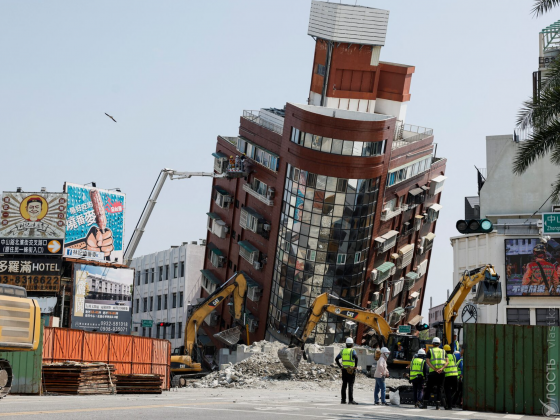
[(488, 292), (20, 328), (399, 358), (182, 364)]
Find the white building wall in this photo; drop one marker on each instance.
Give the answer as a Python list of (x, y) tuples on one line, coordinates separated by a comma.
[(506, 193), (472, 251), (192, 255), (435, 315)]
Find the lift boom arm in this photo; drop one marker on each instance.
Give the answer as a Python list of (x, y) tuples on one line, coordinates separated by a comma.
[(150, 204), (460, 293)]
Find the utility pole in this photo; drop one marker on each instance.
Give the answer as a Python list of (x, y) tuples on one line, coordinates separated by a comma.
[(62, 305)]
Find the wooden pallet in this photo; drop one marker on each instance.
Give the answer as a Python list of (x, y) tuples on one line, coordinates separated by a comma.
[(139, 384), (79, 378)]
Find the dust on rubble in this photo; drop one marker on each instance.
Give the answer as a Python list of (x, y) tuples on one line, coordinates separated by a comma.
[(263, 370)]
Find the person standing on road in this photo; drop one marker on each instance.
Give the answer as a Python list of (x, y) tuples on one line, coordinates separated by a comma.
[(458, 399), (451, 374), (348, 366), (381, 372), (436, 362), (455, 346), (417, 376)]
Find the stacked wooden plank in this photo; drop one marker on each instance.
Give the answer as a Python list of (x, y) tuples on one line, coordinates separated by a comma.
[(139, 384), (79, 378)]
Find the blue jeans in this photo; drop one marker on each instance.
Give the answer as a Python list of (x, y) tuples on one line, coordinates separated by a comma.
[(379, 386)]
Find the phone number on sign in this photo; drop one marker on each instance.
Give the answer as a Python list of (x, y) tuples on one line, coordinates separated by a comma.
[(32, 282)]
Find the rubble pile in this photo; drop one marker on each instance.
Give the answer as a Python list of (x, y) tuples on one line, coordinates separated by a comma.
[(263, 370)]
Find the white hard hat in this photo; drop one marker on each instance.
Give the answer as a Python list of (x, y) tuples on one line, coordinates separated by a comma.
[(436, 341), (421, 352), (385, 350), (349, 340)]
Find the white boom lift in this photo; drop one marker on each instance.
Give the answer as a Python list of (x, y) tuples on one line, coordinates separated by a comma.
[(150, 204)]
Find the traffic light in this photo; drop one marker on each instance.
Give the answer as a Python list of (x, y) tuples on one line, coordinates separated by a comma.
[(164, 324), (474, 226), (422, 327)]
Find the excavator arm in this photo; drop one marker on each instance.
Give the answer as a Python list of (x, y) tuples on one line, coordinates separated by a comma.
[(489, 293), (237, 288)]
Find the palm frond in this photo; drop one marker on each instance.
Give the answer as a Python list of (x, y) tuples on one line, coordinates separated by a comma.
[(525, 115), (552, 75), (543, 6), (539, 144), (556, 190)]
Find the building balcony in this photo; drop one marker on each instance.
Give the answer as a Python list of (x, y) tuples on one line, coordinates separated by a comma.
[(266, 200), (406, 134), (387, 214), (255, 117)]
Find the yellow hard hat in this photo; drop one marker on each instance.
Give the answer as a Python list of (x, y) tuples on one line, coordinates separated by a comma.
[(447, 348), (231, 157), (399, 343)]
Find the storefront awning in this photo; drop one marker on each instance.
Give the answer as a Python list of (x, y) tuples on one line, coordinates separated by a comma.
[(214, 249), (221, 190), (412, 276), (211, 277), (220, 155), (253, 213), (213, 216), (385, 267)]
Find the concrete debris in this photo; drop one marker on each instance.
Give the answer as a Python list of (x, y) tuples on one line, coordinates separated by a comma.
[(263, 370)]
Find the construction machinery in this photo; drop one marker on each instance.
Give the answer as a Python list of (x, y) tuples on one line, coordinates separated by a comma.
[(403, 347), (20, 328), (152, 200), (185, 360)]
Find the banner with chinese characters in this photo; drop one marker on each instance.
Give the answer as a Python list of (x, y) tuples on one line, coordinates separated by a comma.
[(102, 299), (30, 246), (532, 267), (33, 215), (34, 273), (95, 222)]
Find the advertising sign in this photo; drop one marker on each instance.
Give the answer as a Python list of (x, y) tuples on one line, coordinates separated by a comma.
[(551, 223), (95, 222), (31, 246), (102, 299), (34, 273), (531, 267)]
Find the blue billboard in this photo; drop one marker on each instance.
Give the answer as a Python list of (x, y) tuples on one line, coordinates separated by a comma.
[(94, 223)]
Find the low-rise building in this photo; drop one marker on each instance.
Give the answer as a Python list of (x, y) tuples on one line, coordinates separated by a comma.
[(165, 284)]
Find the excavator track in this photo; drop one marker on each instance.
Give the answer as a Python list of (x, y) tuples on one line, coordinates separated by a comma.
[(5, 378)]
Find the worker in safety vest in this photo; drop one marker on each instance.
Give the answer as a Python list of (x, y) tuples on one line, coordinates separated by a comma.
[(417, 376), (436, 362), (451, 374), (348, 366), (455, 346)]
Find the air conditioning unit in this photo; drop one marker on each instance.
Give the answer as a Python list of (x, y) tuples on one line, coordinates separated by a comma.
[(266, 227), (252, 325), (420, 249), (257, 265), (226, 229), (222, 260), (228, 199), (539, 223), (254, 294), (373, 275), (556, 208)]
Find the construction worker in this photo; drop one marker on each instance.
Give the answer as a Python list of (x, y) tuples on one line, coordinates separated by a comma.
[(451, 374), (417, 376), (541, 277), (458, 399), (456, 346), (437, 362), (231, 163), (242, 162), (381, 372), (237, 163), (348, 366)]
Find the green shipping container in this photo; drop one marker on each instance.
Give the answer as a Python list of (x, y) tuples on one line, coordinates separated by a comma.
[(26, 369), (511, 369)]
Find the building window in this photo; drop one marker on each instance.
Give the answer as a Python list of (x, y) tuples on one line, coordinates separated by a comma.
[(164, 302), (152, 275), (137, 305), (518, 316), (221, 197), (151, 303), (159, 303), (321, 70), (409, 170), (548, 316), (258, 154), (182, 269), (138, 276), (143, 331), (167, 272), (164, 332), (249, 219), (145, 304), (157, 331), (311, 255), (336, 146), (341, 259), (259, 187), (179, 329), (180, 299), (174, 300), (175, 270), (146, 276), (248, 252), (160, 273), (172, 331)]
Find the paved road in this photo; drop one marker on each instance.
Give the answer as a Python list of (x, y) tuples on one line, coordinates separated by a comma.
[(205, 404)]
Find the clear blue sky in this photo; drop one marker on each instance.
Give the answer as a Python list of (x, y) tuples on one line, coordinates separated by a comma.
[(176, 74)]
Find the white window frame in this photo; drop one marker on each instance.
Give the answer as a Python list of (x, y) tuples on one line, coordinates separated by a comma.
[(258, 189), (215, 259), (222, 200), (220, 165), (248, 221), (250, 257), (208, 285), (341, 259), (311, 255)]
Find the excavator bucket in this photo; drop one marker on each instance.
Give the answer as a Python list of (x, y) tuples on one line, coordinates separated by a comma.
[(488, 292), (229, 337), (290, 357)]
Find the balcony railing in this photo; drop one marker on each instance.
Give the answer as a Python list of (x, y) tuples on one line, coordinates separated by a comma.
[(409, 134), (247, 188), (389, 214), (381, 309), (254, 116)]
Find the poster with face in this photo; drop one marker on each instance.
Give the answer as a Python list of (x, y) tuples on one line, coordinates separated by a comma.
[(33, 215), (95, 223)]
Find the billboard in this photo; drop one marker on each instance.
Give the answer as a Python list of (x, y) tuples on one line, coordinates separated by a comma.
[(32, 223), (532, 267), (95, 223), (102, 299), (40, 274)]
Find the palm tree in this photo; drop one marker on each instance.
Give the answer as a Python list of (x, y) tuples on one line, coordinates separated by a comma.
[(540, 115)]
